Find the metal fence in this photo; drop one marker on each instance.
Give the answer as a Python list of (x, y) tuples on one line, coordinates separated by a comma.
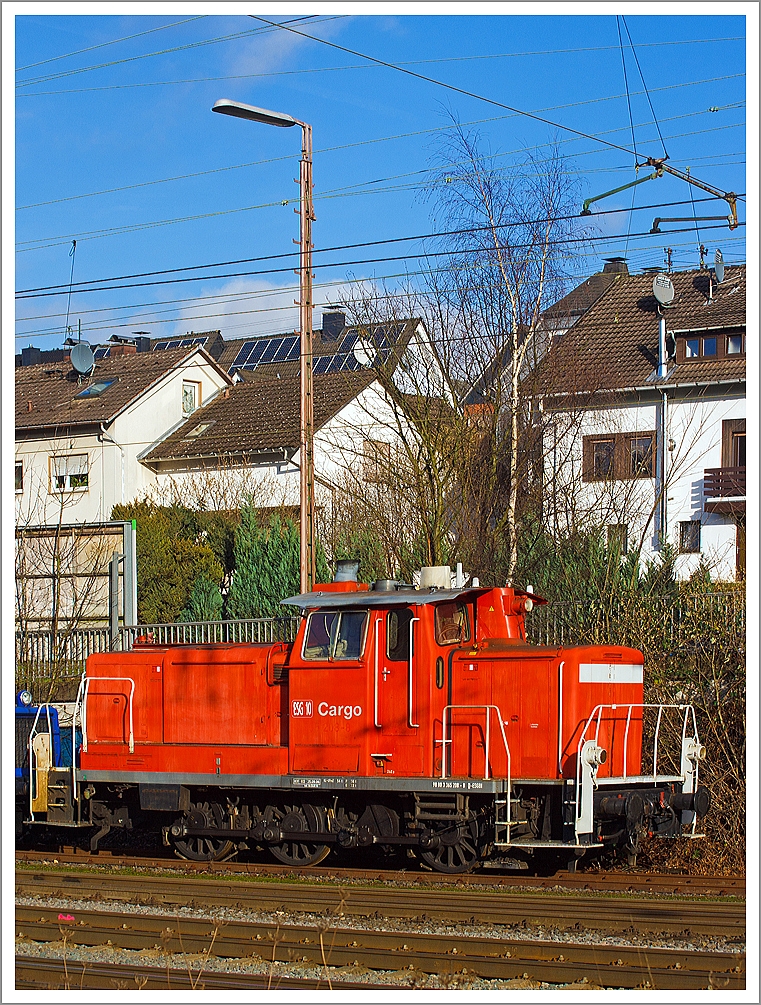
[(639, 621), (46, 661)]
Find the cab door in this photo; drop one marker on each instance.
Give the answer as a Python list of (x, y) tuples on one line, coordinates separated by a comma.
[(398, 745)]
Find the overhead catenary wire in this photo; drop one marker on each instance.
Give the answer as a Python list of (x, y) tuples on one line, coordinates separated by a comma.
[(449, 87), (348, 146), (431, 235), (644, 85), (38, 244)]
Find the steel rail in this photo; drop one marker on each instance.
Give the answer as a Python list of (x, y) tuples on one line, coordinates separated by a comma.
[(489, 958), (73, 975), (625, 882), (589, 911)]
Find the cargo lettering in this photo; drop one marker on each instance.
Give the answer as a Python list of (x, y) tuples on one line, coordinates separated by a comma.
[(336, 711)]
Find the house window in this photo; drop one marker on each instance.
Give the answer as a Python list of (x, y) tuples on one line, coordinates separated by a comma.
[(377, 460), (689, 536), (69, 473), (618, 456), (618, 538), (691, 348), (709, 346), (604, 451), (191, 395), (641, 457), (19, 476), (735, 345), (738, 450)]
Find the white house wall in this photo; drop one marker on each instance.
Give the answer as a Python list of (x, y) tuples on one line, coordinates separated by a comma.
[(695, 427), (115, 474)]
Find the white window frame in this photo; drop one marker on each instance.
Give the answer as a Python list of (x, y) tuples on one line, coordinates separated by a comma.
[(19, 490), (196, 388), (65, 463)]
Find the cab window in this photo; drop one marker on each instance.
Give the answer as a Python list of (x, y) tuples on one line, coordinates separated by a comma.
[(335, 635), (451, 623), (398, 634)]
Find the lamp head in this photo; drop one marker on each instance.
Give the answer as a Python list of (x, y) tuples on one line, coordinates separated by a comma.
[(243, 111)]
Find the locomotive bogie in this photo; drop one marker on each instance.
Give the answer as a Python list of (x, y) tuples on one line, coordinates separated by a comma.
[(412, 720)]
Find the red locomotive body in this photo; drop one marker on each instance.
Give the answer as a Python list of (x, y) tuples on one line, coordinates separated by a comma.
[(398, 717)]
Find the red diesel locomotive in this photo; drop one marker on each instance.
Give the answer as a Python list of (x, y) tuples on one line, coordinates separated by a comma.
[(399, 717)]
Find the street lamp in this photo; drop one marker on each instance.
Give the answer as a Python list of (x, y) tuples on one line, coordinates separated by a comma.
[(306, 216)]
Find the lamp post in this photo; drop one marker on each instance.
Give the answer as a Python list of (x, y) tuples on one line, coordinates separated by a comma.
[(306, 216)]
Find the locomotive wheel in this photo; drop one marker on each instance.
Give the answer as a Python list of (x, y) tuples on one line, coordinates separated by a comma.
[(299, 818), (455, 847), (204, 849)]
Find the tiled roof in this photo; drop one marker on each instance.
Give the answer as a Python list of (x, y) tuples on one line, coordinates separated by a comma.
[(261, 414), (580, 299), (614, 345), (45, 393)]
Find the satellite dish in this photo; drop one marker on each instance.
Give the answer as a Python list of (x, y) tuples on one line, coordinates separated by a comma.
[(364, 352), (718, 263), (663, 289), (82, 358)]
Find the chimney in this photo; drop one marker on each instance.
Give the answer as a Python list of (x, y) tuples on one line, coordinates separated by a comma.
[(617, 265), (333, 323), (30, 356), (122, 350)]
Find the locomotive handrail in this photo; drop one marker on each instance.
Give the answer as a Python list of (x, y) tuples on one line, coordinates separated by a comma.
[(88, 681), (598, 709), (444, 741), (376, 624), (410, 723)]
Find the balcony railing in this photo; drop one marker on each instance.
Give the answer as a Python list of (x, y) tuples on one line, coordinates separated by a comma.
[(724, 483)]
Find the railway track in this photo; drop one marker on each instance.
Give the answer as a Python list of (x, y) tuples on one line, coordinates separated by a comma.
[(721, 886), (588, 911), (489, 958), (71, 975)]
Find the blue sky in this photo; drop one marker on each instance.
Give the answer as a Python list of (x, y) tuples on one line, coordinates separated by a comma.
[(97, 131)]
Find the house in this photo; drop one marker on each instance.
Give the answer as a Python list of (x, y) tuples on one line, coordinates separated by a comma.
[(197, 417), (79, 438), (646, 435)]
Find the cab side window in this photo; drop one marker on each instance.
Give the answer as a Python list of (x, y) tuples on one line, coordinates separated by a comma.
[(335, 635), (398, 634), (451, 623)]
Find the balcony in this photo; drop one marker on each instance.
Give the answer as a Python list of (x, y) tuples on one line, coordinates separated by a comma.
[(724, 490)]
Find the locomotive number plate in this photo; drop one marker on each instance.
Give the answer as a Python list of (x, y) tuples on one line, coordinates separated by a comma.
[(302, 709)]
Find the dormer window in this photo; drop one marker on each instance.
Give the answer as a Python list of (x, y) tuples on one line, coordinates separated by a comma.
[(191, 396), (694, 347)]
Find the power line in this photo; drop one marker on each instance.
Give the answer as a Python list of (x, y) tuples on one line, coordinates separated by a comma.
[(362, 66), (642, 78), (229, 298), (39, 245), (335, 265), (349, 146), (161, 52), (113, 41), (345, 247)]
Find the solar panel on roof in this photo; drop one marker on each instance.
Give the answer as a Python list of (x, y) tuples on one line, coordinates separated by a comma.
[(347, 343), (102, 352), (243, 354), (180, 343), (285, 351)]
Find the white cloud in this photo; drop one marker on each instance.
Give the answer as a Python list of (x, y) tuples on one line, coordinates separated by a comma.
[(244, 308)]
